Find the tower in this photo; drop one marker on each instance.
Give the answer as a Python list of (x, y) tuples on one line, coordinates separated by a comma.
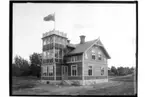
[(54, 43)]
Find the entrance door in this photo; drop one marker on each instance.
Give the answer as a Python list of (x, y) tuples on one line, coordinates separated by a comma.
[(64, 72)]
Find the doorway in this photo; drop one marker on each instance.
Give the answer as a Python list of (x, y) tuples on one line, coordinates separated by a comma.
[(64, 72)]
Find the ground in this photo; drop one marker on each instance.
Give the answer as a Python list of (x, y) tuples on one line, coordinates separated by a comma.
[(124, 85)]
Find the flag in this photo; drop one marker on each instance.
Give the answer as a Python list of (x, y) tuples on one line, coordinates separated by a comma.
[(50, 17)]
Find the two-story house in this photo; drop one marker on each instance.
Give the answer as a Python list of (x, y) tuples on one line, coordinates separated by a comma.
[(84, 63)]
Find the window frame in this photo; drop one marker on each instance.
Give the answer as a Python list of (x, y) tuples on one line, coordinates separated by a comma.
[(44, 42), (93, 54), (50, 72), (44, 71), (76, 70), (89, 69), (102, 69), (99, 56)]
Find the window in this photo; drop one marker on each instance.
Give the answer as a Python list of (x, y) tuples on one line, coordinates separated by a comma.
[(74, 70), (44, 42), (75, 58), (78, 58), (56, 39), (64, 70), (90, 70), (44, 54), (86, 56), (56, 53), (50, 70), (60, 53), (68, 59), (72, 59), (63, 41), (93, 51), (99, 55), (102, 71), (93, 56), (44, 70), (51, 39), (48, 40)]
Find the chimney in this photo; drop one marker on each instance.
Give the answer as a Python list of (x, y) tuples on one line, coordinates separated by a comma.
[(82, 39), (68, 41)]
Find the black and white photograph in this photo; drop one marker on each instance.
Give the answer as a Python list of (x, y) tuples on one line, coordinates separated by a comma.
[(73, 48)]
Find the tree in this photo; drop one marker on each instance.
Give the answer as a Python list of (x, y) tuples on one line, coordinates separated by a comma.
[(114, 70), (20, 67), (124, 70), (36, 61), (121, 71)]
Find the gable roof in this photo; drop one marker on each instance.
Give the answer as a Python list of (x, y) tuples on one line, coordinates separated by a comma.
[(81, 48)]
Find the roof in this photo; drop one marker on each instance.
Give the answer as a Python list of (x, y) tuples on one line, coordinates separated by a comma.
[(105, 51), (80, 48), (71, 45)]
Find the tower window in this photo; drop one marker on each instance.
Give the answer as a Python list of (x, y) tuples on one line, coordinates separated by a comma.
[(50, 70), (44, 42)]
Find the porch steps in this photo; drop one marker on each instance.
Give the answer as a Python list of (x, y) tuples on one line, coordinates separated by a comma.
[(66, 82)]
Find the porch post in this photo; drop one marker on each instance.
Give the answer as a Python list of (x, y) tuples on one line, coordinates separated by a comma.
[(54, 58)]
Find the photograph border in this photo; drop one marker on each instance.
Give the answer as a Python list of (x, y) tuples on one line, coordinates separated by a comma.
[(56, 2)]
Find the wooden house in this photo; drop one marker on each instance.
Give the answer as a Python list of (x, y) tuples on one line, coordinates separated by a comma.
[(83, 63)]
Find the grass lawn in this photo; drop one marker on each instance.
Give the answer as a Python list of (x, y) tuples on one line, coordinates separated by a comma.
[(24, 82), (115, 86)]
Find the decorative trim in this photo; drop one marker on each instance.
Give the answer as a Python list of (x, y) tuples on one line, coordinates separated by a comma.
[(92, 69), (91, 45)]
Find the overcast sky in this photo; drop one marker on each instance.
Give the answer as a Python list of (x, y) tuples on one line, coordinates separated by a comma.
[(114, 23)]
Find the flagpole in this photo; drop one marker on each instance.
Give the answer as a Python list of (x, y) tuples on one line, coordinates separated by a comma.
[(54, 21)]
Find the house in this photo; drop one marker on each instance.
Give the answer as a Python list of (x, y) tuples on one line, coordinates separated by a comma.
[(84, 63)]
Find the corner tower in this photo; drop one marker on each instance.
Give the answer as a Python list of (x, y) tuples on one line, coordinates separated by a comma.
[(54, 44)]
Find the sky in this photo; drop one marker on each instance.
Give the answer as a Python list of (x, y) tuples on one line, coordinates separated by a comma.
[(115, 24)]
